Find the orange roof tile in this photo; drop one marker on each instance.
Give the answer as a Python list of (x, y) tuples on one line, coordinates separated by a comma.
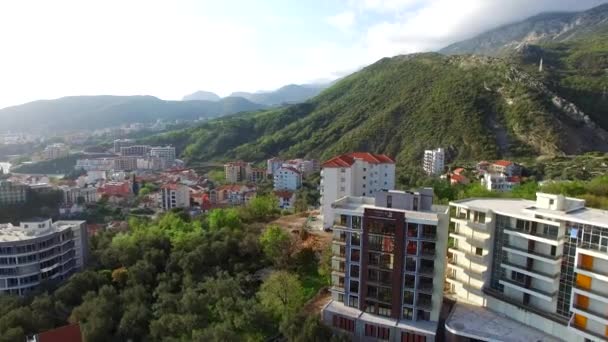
[(68, 333), (503, 162), (347, 160)]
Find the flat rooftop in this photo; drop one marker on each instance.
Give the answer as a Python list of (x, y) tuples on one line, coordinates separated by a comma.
[(358, 204), (11, 233), (522, 207), (480, 323)]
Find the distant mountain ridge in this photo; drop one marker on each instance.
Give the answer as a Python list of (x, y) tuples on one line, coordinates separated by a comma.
[(90, 112), (202, 96), (542, 28), (289, 94)]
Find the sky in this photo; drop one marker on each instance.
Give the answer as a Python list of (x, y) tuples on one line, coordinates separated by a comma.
[(50, 49)]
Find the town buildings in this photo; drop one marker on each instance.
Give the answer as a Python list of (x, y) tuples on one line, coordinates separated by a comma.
[(125, 163), (434, 161), (304, 166), (55, 151), (12, 192), (135, 150), (505, 167), (165, 154), (538, 270), (287, 199), (256, 175), (119, 143), (174, 195), (237, 171), (287, 178), (499, 182), (95, 164), (354, 174), (40, 251), (121, 189), (273, 164), (388, 258), (233, 194), (74, 194)]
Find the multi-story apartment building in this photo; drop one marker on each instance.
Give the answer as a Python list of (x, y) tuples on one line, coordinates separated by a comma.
[(354, 174), (119, 143), (233, 194), (273, 164), (541, 265), (287, 178), (72, 194), (174, 195), (237, 171), (387, 265), (40, 251), (165, 154), (135, 150), (434, 161), (55, 151), (256, 175), (12, 192), (125, 163), (499, 182)]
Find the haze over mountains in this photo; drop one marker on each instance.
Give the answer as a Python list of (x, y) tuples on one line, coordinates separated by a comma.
[(289, 94)]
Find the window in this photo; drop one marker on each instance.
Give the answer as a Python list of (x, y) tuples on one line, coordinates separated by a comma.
[(553, 250), (354, 286), (389, 201), (518, 277), (408, 297), (354, 255), (478, 251), (415, 207), (370, 330), (353, 302), (354, 271), (364, 169), (343, 323), (364, 177), (411, 337), (423, 315), (408, 313), (551, 201)]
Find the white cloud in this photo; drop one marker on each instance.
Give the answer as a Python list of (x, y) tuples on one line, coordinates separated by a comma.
[(342, 21)]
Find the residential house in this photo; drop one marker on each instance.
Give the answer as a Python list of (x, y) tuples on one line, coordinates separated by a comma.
[(174, 195), (499, 182), (434, 161), (287, 178), (287, 199), (505, 167)]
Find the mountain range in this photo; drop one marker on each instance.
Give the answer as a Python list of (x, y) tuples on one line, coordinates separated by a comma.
[(289, 94), (539, 29), (478, 107), (85, 112)]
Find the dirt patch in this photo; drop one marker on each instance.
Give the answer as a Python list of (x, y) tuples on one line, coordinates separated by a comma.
[(316, 303)]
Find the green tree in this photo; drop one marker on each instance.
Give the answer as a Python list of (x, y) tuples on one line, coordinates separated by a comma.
[(277, 245), (281, 294)]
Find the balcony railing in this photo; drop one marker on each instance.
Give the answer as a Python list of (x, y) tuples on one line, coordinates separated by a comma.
[(532, 270), (521, 285), (534, 233), (602, 315), (542, 255)]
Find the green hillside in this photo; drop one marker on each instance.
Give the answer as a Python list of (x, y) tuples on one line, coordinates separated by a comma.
[(477, 107)]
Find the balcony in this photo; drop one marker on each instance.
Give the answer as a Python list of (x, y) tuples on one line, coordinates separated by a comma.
[(425, 304), (548, 296), (552, 259), (590, 335), (340, 256), (530, 271), (594, 294), (533, 235), (601, 316)]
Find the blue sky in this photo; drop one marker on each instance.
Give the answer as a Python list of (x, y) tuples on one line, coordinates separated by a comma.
[(172, 48)]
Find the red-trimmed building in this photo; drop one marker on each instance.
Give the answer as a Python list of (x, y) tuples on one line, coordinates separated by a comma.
[(354, 174)]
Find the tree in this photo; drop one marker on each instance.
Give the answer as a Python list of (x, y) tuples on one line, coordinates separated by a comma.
[(282, 294), (277, 245), (221, 218)]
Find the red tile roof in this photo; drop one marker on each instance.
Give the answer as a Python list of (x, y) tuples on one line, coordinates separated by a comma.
[(68, 333), (347, 160), (283, 194), (458, 171), (503, 162), (458, 178)]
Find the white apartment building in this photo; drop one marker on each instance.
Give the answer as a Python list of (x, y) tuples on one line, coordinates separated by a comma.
[(354, 174), (125, 163), (39, 250), (55, 151), (273, 164), (540, 268), (305, 166), (237, 171), (135, 150), (499, 182), (287, 178), (174, 196), (434, 161), (165, 154), (71, 194), (387, 265)]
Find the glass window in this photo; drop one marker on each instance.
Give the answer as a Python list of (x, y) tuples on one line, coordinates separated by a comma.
[(354, 255), (354, 271), (478, 251), (356, 222), (408, 297), (408, 313), (354, 286), (412, 230)]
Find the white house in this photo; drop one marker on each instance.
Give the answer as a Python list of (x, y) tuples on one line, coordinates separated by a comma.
[(287, 199), (499, 182), (287, 178), (174, 195), (354, 174)]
